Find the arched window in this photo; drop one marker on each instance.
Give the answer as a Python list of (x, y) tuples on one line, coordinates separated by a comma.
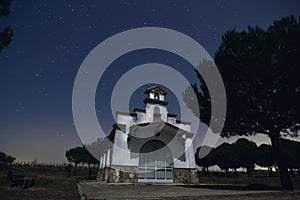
[(156, 96), (156, 114), (156, 110)]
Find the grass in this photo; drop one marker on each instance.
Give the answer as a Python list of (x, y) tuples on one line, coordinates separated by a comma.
[(242, 179), (51, 182)]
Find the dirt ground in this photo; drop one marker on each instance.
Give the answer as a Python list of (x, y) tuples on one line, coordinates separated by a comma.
[(52, 183), (94, 190), (36, 193), (89, 190)]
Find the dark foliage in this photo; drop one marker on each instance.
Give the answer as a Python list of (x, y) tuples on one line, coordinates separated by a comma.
[(244, 154), (7, 34), (260, 70), (80, 155), (5, 160)]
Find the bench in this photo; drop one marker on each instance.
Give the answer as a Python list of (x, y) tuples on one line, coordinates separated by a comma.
[(17, 179), (24, 183)]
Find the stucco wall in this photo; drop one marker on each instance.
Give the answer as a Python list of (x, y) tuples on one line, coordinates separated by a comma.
[(121, 155), (119, 164)]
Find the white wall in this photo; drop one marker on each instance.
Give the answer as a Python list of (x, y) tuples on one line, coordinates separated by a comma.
[(189, 156), (120, 154)]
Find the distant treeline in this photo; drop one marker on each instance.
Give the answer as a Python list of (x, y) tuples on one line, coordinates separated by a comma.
[(80, 156), (245, 154)]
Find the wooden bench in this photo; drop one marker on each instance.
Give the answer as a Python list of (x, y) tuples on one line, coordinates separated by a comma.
[(24, 183), (17, 179)]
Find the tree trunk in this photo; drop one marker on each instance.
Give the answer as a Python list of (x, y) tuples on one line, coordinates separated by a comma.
[(204, 171), (75, 169), (227, 172), (68, 169), (249, 173), (270, 171), (292, 172), (235, 172), (207, 170), (285, 179), (90, 171)]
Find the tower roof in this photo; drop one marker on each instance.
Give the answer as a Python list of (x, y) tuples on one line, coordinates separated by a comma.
[(156, 88)]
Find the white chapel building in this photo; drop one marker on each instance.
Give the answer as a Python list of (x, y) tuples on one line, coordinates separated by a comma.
[(149, 145)]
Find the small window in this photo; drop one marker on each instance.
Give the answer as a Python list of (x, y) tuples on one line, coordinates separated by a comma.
[(156, 110), (156, 96), (156, 114)]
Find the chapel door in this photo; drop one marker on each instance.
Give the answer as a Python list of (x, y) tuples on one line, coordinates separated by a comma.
[(155, 166)]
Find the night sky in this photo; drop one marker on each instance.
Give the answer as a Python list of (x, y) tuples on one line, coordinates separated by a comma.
[(52, 38)]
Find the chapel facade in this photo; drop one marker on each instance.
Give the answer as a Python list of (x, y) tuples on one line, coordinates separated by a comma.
[(149, 145)]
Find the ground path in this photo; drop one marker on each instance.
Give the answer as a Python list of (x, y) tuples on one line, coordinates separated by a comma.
[(96, 190)]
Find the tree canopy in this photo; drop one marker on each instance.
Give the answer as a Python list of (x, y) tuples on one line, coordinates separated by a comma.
[(260, 70), (245, 154), (81, 155), (241, 154), (7, 34), (89, 159), (76, 156), (265, 157), (6, 160)]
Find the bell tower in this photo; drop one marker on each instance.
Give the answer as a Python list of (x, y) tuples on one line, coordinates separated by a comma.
[(155, 103), (156, 95)]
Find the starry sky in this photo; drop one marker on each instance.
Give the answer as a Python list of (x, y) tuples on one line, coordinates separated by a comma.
[(52, 38)]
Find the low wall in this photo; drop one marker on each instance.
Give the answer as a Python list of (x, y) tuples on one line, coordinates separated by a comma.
[(129, 174), (119, 174), (185, 176)]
